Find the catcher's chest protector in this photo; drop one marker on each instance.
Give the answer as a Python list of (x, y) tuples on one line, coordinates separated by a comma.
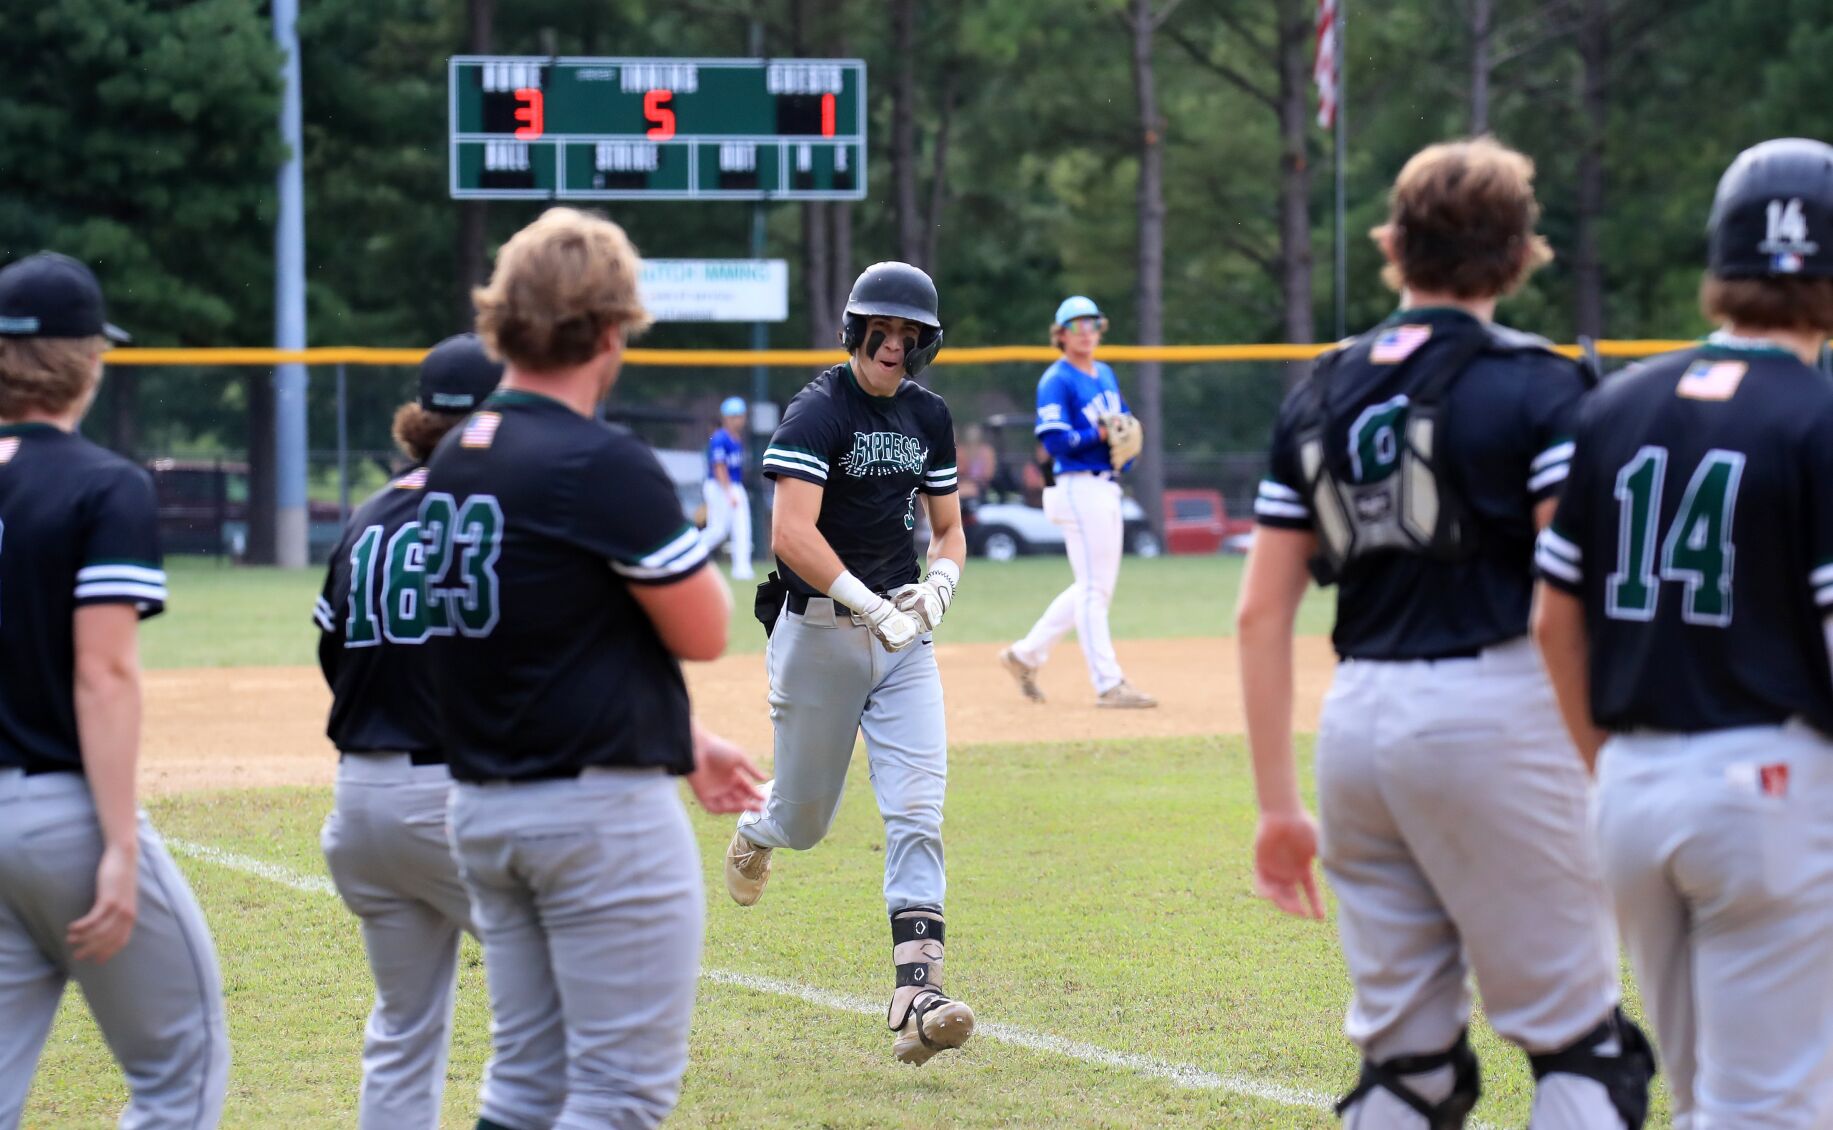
[(1374, 468)]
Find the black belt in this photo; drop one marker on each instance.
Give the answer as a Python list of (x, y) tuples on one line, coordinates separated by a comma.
[(798, 603), (414, 756), (564, 773), (42, 769)]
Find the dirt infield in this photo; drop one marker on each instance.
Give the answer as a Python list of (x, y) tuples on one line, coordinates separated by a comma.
[(250, 727)]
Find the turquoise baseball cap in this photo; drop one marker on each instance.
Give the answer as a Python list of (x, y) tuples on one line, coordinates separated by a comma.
[(732, 406), (1077, 306)]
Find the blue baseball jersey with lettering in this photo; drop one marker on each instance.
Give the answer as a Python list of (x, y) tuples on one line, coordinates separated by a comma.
[(1070, 405), (722, 448)]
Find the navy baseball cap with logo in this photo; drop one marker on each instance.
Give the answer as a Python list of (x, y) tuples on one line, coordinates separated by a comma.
[(52, 295), (1773, 214), (456, 375)]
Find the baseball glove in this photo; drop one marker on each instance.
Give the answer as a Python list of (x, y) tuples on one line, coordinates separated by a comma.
[(1125, 439)]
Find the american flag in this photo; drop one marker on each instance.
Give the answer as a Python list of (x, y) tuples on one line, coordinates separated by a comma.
[(1397, 344), (480, 429), (1324, 65), (1712, 380)]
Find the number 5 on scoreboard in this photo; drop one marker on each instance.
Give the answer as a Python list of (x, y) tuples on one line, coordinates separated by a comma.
[(657, 112)]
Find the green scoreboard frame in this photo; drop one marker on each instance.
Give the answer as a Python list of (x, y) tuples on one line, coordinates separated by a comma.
[(579, 128)]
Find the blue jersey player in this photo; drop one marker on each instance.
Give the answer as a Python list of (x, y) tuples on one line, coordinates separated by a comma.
[(728, 506), (1084, 423)]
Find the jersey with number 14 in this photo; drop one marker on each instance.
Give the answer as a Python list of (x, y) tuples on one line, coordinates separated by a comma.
[(1697, 528)]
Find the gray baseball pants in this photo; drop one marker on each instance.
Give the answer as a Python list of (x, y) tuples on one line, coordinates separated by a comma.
[(1719, 850), (386, 847), (830, 679), (1456, 836), (588, 898), (158, 1002)]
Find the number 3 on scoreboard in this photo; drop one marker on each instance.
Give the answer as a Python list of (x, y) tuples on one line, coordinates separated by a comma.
[(657, 112)]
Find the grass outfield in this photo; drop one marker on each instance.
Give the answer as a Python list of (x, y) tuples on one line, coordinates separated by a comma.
[(224, 616), (1124, 924)]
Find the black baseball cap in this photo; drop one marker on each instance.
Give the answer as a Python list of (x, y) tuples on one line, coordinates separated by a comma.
[(456, 375), (1773, 213), (52, 295)]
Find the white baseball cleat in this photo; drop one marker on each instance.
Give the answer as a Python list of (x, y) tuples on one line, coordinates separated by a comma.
[(1022, 673), (943, 1025), (747, 869), (1125, 696)]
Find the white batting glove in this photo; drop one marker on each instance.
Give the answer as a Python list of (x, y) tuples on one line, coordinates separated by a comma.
[(895, 628), (928, 602)]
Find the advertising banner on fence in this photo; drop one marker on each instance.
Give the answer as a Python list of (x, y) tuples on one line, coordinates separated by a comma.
[(716, 290)]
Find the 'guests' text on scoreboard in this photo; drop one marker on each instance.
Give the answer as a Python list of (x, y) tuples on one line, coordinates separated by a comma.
[(539, 127)]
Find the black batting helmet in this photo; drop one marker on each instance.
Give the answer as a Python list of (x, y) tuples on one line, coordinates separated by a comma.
[(895, 290), (1773, 215)]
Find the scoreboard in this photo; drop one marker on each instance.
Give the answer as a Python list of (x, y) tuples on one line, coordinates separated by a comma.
[(573, 128)]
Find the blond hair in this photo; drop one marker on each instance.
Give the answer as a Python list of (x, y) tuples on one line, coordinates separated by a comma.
[(1461, 220), (559, 284), (46, 374)]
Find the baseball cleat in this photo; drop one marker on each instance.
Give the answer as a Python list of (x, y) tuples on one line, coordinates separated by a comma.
[(1125, 696), (1023, 674), (943, 1025), (747, 870)]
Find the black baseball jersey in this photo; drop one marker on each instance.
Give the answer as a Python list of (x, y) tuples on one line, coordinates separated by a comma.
[(871, 455), (1506, 448), (78, 526), (1697, 528), (373, 617), (535, 523)]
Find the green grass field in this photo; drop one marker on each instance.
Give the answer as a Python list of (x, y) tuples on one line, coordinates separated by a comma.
[(223, 616), (1100, 923)]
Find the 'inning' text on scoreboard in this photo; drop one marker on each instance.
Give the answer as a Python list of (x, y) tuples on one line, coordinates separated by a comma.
[(539, 127)]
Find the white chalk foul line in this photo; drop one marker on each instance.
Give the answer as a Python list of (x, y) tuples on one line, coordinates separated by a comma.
[(1177, 1074)]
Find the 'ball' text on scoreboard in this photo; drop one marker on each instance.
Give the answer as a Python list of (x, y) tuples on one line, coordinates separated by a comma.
[(578, 128)]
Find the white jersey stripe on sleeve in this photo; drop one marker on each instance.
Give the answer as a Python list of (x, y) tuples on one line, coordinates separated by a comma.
[(794, 455), (1267, 508), (95, 589), (1821, 576), (1560, 546), (1558, 453), (1824, 597), (687, 538), (1556, 567), (684, 563), (1279, 492), (137, 573), (1546, 478)]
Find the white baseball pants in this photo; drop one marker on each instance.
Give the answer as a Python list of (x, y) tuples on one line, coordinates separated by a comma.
[(588, 899), (158, 1002), (386, 848), (728, 519), (1087, 507), (1456, 835), (831, 679), (1719, 850)]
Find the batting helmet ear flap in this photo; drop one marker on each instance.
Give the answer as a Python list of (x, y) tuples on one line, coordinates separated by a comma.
[(929, 343)]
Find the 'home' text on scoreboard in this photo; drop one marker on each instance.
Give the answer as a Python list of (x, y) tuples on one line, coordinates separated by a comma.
[(540, 127)]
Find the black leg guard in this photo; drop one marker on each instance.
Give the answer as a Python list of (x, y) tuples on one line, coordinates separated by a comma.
[(916, 949), (1625, 1075), (1389, 1075)]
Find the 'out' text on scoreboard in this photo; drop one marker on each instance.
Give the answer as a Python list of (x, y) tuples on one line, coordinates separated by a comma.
[(540, 127)]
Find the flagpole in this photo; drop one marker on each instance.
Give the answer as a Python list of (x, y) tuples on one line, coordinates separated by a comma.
[(1342, 123)]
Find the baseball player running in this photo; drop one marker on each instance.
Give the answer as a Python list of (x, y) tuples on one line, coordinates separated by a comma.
[(569, 586), (850, 626), (728, 507), (1413, 470), (1687, 583), (87, 890), (385, 840), (1091, 435)]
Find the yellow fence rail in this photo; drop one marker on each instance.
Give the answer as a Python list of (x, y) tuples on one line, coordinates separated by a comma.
[(809, 358)]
